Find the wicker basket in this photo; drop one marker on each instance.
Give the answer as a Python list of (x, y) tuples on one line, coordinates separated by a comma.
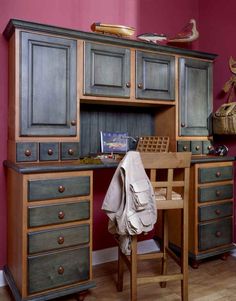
[(224, 119)]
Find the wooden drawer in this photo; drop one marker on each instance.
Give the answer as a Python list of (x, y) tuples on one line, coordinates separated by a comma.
[(48, 151), (215, 174), (69, 150), (58, 214), (26, 151), (209, 212), (196, 147), (183, 146), (215, 234), (56, 239), (58, 269), (58, 188), (215, 193)]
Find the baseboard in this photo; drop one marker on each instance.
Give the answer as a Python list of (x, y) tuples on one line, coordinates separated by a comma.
[(2, 280), (107, 255)]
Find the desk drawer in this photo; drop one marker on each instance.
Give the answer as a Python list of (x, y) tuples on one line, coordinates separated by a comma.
[(215, 234), (215, 193), (209, 212), (58, 188), (56, 239), (58, 213), (215, 174), (58, 269)]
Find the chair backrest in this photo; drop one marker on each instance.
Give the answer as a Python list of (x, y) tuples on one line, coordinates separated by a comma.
[(169, 175)]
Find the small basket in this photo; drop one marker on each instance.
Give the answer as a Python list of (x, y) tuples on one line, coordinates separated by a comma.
[(153, 144), (224, 119)]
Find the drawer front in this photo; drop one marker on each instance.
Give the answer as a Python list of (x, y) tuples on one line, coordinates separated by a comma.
[(26, 152), (56, 239), (209, 212), (215, 174), (215, 193), (196, 147), (58, 188), (58, 269), (183, 146), (48, 151), (207, 147), (215, 234), (58, 214), (69, 150)]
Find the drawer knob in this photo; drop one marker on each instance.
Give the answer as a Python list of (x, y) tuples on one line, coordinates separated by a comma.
[(50, 152), (28, 152), (60, 270), (128, 85), (182, 124), (61, 215), (185, 148), (218, 234), (73, 122), (209, 147), (61, 189), (70, 151), (197, 147), (60, 240), (140, 85), (218, 174), (217, 211), (218, 193)]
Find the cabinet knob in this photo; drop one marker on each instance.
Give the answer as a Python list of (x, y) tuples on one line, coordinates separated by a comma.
[(140, 86), (197, 147), (61, 188), (209, 147), (218, 234), (61, 214), (218, 193), (60, 240), (218, 174), (60, 270), (28, 152), (50, 152), (217, 211), (185, 148), (70, 151), (73, 122), (128, 85), (182, 124)]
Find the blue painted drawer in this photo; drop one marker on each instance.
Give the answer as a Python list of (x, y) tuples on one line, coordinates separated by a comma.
[(215, 174), (210, 212), (214, 193)]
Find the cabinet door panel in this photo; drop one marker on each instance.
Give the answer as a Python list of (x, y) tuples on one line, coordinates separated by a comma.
[(107, 70), (195, 97), (155, 76), (48, 86)]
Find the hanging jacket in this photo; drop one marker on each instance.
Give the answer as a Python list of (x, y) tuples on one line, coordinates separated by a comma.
[(130, 201)]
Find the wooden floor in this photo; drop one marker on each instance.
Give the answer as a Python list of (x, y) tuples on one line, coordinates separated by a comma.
[(213, 280)]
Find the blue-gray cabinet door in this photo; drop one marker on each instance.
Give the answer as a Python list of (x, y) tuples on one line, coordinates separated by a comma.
[(47, 85), (155, 76), (195, 88), (107, 70)]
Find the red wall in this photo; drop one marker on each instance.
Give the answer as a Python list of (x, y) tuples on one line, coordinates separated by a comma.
[(158, 16)]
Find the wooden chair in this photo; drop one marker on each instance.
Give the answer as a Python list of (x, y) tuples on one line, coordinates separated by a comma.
[(171, 172)]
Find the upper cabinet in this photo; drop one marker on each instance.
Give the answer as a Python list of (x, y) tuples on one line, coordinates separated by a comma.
[(106, 70), (48, 85), (195, 96), (155, 76)]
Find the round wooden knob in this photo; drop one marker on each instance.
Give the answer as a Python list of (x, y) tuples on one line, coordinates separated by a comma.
[(28, 152), (70, 151), (218, 174), (182, 124), (197, 147), (217, 211), (128, 85), (218, 234), (61, 189), (61, 215), (60, 270), (140, 85), (60, 240), (50, 152), (209, 147), (218, 193), (73, 122), (185, 148)]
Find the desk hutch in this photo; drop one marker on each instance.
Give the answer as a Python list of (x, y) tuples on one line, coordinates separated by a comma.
[(65, 86)]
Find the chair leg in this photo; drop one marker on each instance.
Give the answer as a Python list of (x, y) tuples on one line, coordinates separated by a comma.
[(184, 259), (120, 271), (133, 269), (164, 246)]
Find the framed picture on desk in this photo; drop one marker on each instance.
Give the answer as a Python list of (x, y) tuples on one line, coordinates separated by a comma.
[(114, 142)]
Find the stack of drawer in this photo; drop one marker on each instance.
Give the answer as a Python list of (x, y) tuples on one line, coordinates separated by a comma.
[(214, 206), (58, 223)]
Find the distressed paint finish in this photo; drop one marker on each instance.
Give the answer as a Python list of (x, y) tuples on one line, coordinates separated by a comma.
[(210, 212), (215, 193), (215, 174)]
